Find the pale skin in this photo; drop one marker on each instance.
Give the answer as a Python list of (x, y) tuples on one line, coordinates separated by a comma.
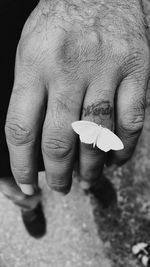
[(76, 60)]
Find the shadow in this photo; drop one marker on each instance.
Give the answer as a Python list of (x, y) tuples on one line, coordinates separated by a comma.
[(35, 221), (120, 221), (104, 193)]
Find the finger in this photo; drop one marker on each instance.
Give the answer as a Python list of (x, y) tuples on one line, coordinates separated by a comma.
[(130, 115), (59, 140), (10, 189), (23, 124), (98, 107)]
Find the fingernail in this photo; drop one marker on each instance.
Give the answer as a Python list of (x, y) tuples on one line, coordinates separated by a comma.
[(27, 189)]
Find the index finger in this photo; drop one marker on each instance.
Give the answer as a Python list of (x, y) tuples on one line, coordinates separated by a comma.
[(23, 124)]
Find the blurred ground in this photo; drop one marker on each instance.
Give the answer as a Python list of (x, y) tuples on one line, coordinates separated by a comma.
[(71, 239), (80, 231)]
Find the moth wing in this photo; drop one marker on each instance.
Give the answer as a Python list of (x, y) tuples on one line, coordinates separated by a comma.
[(107, 140), (87, 131), (81, 127)]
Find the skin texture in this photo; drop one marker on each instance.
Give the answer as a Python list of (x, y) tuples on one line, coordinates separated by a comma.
[(76, 60)]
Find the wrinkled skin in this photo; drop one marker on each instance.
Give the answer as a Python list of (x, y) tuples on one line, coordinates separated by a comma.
[(76, 60)]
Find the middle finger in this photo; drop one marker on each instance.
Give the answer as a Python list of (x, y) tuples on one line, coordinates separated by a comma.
[(58, 141)]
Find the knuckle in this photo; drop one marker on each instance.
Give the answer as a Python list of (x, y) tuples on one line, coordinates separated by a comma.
[(57, 145), (120, 48), (133, 120), (132, 125), (75, 52), (17, 134)]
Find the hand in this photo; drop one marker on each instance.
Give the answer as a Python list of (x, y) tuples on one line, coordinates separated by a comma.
[(86, 61)]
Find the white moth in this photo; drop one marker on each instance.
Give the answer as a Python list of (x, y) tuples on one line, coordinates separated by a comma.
[(92, 133)]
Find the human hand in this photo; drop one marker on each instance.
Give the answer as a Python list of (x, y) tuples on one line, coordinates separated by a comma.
[(76, 60)]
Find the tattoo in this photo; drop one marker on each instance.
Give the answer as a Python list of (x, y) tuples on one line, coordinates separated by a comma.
[(113, 16), (84, 26), (102, 109), (129, 14)]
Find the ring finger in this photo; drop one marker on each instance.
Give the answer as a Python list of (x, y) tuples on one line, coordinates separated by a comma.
[(98, 107)]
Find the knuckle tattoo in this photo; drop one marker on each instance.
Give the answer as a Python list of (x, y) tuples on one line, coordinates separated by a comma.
[(101, 111), (86, 28), (102, 108)]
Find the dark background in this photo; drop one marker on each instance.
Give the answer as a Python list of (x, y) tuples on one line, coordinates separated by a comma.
[(13, 14)]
